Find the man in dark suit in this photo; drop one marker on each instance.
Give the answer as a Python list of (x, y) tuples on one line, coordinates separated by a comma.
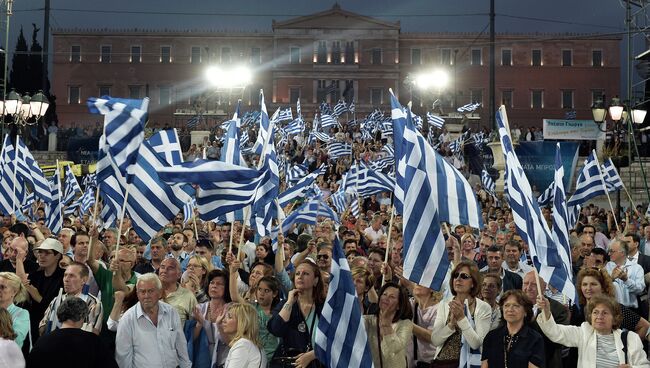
[(633, 240), (509, 280), (553, 351)]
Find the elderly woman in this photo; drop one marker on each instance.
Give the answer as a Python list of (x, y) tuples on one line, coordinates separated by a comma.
[(240, 327), (463, 320), (12, 291), (390, 329), (599, 340), (514, 344)]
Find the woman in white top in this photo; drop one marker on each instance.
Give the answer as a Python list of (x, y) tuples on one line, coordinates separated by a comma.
[(10, 354), (241, 328), (463, 320), (599, 339)]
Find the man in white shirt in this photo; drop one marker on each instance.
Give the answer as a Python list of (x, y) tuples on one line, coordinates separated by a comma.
[(513, 261), (627, 275), (150, 334), (375, 231)]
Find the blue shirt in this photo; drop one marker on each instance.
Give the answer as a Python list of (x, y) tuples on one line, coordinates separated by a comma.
[(628, 290)]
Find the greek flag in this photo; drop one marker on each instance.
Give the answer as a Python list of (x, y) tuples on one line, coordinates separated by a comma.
[(382, 163), (10, 189), (54, 217), (298, 111), (339, 201), (87, 200), (264, 130), (296, 173), (560, 233), (285, 114), (110, 185), (167, 145), (354, 207), (308, 213), (124, 130), (90, 180), (188, 210), (428, 190), (590, 182), (300, 189), (647, 212), (613, 181), (341, 339), (435, 120), (546, 197), (530, 223), (194, 121), (32, 173), (470, 107), (339, 149), (340, 108), (455, 146), (323, 137), (352, 108), (325, 108), (327, 120), (231, 150), (487, 181), (297, 126), (71, 186), (243, 140)]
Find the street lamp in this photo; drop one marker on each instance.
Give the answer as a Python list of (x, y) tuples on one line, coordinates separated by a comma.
[(237, 77), (22, 109), (437, 79)]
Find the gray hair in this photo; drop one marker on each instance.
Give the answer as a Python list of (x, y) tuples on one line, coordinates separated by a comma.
[(150, 277), (72, 309)]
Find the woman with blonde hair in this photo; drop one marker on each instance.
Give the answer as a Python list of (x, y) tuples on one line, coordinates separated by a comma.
[(194, 277), (241, 328), (10, 354), (468, 247), (13, 291)]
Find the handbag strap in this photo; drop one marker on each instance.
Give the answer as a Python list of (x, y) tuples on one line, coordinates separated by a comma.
[(415, 339)]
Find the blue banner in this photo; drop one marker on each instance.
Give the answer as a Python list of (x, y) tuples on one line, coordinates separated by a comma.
[(538, 160)]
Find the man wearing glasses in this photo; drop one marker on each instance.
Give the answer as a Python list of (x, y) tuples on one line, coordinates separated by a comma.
[(627, 275)]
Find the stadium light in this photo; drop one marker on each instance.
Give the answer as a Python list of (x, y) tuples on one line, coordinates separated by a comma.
[(237, 77)]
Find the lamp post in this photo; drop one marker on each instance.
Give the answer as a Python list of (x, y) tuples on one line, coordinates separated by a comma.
[(24, 110)]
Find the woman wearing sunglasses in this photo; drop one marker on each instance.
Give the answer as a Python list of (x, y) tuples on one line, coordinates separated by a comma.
[(462, 321)]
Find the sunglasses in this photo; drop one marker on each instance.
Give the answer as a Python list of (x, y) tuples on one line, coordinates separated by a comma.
[(322, 256), (461, 275)]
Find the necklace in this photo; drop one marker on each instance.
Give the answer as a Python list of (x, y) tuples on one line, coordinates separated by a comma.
[(508, 342)]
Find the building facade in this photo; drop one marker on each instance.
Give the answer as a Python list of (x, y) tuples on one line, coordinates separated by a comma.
[(327, 56)]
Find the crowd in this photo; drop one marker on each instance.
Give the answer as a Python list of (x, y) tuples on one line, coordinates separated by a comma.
[(194, 296)]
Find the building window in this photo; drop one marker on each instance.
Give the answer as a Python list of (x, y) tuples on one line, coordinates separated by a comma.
[(376, 56), (256, 56), (226, 55), (134, 92), (165, 95), (165, 54), (477, 58), (349, 52), (136, 54), (567, 99), (476, 95), (506, 57), (567, 58), (195, 55), (105, 54), (537, 99), (294, 94), (321, 57), (376, 95), (596, 58), (506, 98), (104, 90), (75, 54), (336, 52), (294, 55), (74, 95), (416, 56), (536, 58), (597, 95), (445, 56)]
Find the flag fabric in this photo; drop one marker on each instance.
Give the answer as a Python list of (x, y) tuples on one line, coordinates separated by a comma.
[(297, 126), (590, 182), (354, 207), (194, 121), (488, 182), (435, 120), (647, 212), (352, 108), (124, 130), (10, 187), (470, 107), (339, 149), (87, 200), (231, 150), (167, 145), (323, 137), (111, 184), (71, 186), (33, 173), (327, 120), (570, 115), (90, 180), (530, 223), (54, 209), (546, 197), (298, 111), (285, 114), (296, 173), (612, 179), (339, 201), (308, 213), (264, 130), (340, 108), (188, 210), (560, 232), (300, 189), (341, 338), (366, 181)]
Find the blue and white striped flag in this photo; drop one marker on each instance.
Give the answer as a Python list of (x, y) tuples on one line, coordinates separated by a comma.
[(300, 189), (488, 182), (470, 107), (87, 200), (435, 120), (590, 182), (546, 197), (296, 173), (382, 163), (339, 149), (297, 126), (366, 181), (323, 137), (530, 223), (167, 145), (612, 179), (298, 110), (28, 203), (308, 213), (188, 210), (560, 233), (54, 209), (327, 120), (90, 180), (339, 201), (352, 108), (33, 174), (341, 338), (340, 108), (194, 121), (264, 130), (354, 207), (647, 213), (285, 114), (428, 190), (111, 184), (71, 186)]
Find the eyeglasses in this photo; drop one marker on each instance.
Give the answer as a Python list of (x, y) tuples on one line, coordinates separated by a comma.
[(461, 275), (322, 256)]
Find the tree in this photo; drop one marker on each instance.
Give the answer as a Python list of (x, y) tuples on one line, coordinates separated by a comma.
[(20, 65)]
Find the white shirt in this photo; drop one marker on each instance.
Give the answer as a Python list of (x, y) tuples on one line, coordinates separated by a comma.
[(141, 344), (627, 291), (245, 354), (521, 270), (373, 235)]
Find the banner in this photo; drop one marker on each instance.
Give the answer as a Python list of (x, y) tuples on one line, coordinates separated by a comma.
[(538, 161), (559, 129)]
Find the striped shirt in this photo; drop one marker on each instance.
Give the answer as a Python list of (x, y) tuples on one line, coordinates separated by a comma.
[(92, 323), (606, 356)]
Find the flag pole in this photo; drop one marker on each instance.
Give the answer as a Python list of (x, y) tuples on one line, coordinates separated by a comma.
[(539, 284), (281, 223), (123, 212), (390, 231), (13, 202), (243, 229), (602, 182), (93, 222), (60, 192)]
